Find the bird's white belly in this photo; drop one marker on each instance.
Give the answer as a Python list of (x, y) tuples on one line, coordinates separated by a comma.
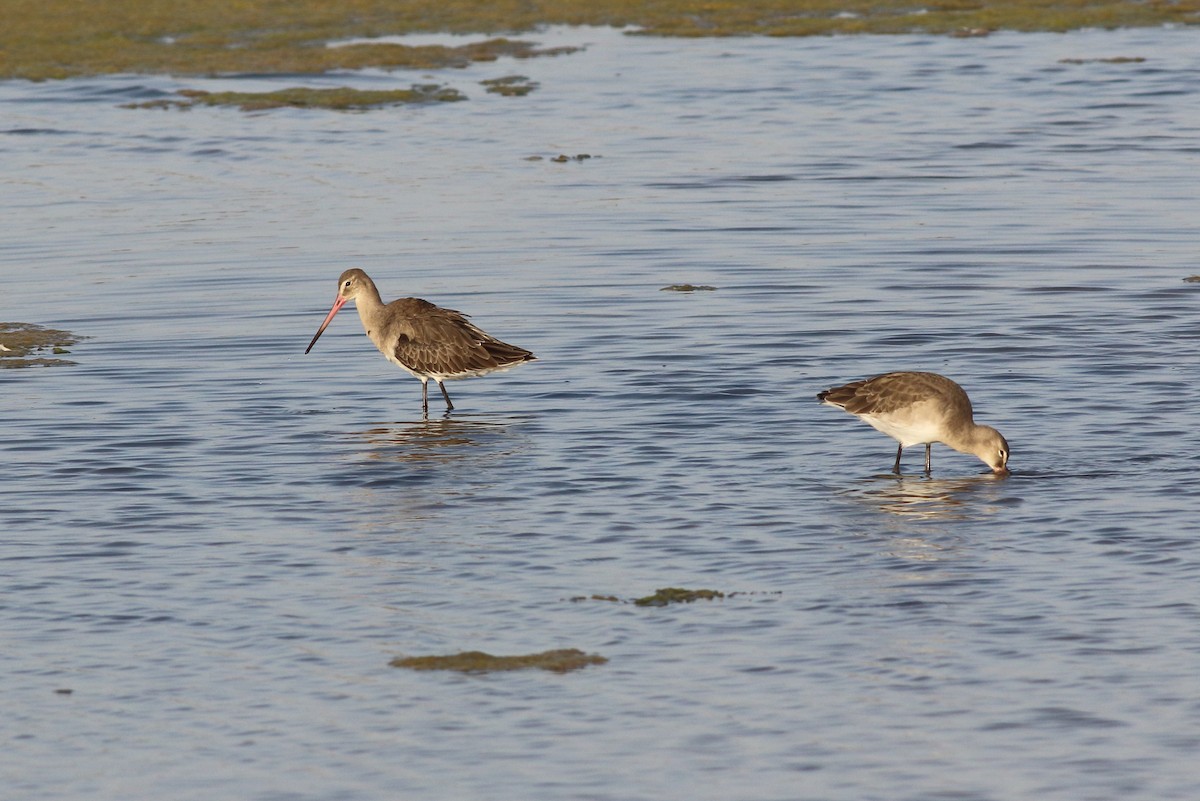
[(907, 432), (449, 376), (414, 374)]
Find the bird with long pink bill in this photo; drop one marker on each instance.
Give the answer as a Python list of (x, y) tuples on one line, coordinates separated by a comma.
[(424, 340)]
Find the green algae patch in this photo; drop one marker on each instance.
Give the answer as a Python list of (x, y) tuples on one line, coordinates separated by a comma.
[(43, 39), (1113, 60), (563, 158), (670, 595), (21, 345), (510, 85), (560, 661), (60, 38), (677, 595), (688, 288), (339, 99)]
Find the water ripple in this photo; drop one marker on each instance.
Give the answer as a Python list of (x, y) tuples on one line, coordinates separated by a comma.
[(225, 539)]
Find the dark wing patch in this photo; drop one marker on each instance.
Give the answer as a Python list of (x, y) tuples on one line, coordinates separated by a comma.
[(443, 342), (841, 396), (890, 392)]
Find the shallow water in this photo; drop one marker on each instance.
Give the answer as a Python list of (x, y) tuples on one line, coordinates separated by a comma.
[(217, 543)]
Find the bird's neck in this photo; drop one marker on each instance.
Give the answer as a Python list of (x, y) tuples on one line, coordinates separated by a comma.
[(369, 305), (969, 438)]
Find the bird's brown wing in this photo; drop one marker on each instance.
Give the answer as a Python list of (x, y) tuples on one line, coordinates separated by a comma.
[(428, 339), (891, 392)]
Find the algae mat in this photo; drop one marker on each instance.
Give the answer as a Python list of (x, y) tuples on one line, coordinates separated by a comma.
[(26, 345), (342, 98), (563, 660), (43, 39)]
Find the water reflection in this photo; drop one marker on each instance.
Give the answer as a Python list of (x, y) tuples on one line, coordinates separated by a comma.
[(312, 528), (926, 498), (413, 471), (438, 440)]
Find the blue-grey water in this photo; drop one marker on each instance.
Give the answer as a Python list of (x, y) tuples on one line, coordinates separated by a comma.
[(212, 545)]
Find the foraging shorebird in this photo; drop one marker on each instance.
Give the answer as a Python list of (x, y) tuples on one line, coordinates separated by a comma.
[(921, 408), (425, 340)]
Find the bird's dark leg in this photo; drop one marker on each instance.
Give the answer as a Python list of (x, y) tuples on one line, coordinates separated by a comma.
[(424, 398), (896, 467), (928, 445), (445, 395)]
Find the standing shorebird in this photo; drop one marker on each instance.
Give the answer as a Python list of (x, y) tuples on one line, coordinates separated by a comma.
[(921, 408), (425, 340)]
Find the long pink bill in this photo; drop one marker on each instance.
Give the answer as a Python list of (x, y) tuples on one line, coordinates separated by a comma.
[(338, 302)]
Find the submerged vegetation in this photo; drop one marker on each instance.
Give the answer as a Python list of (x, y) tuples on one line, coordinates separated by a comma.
[(26, 345), (217, 38), (342, 98), (43, 39), (669, 595), (510, 85), (677, 595), (559, 661)]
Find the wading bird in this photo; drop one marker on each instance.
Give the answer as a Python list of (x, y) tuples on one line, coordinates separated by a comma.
[(425, 340), (920, 409)]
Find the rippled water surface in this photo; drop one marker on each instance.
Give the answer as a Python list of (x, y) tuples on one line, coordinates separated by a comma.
[(213, 545)]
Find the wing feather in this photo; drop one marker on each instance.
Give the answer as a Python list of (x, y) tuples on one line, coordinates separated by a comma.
[(443, 343), (892, 392)]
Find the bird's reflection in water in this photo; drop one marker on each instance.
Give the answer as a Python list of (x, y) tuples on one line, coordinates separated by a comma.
[(443, 439), (439, 464), (927, 498)]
